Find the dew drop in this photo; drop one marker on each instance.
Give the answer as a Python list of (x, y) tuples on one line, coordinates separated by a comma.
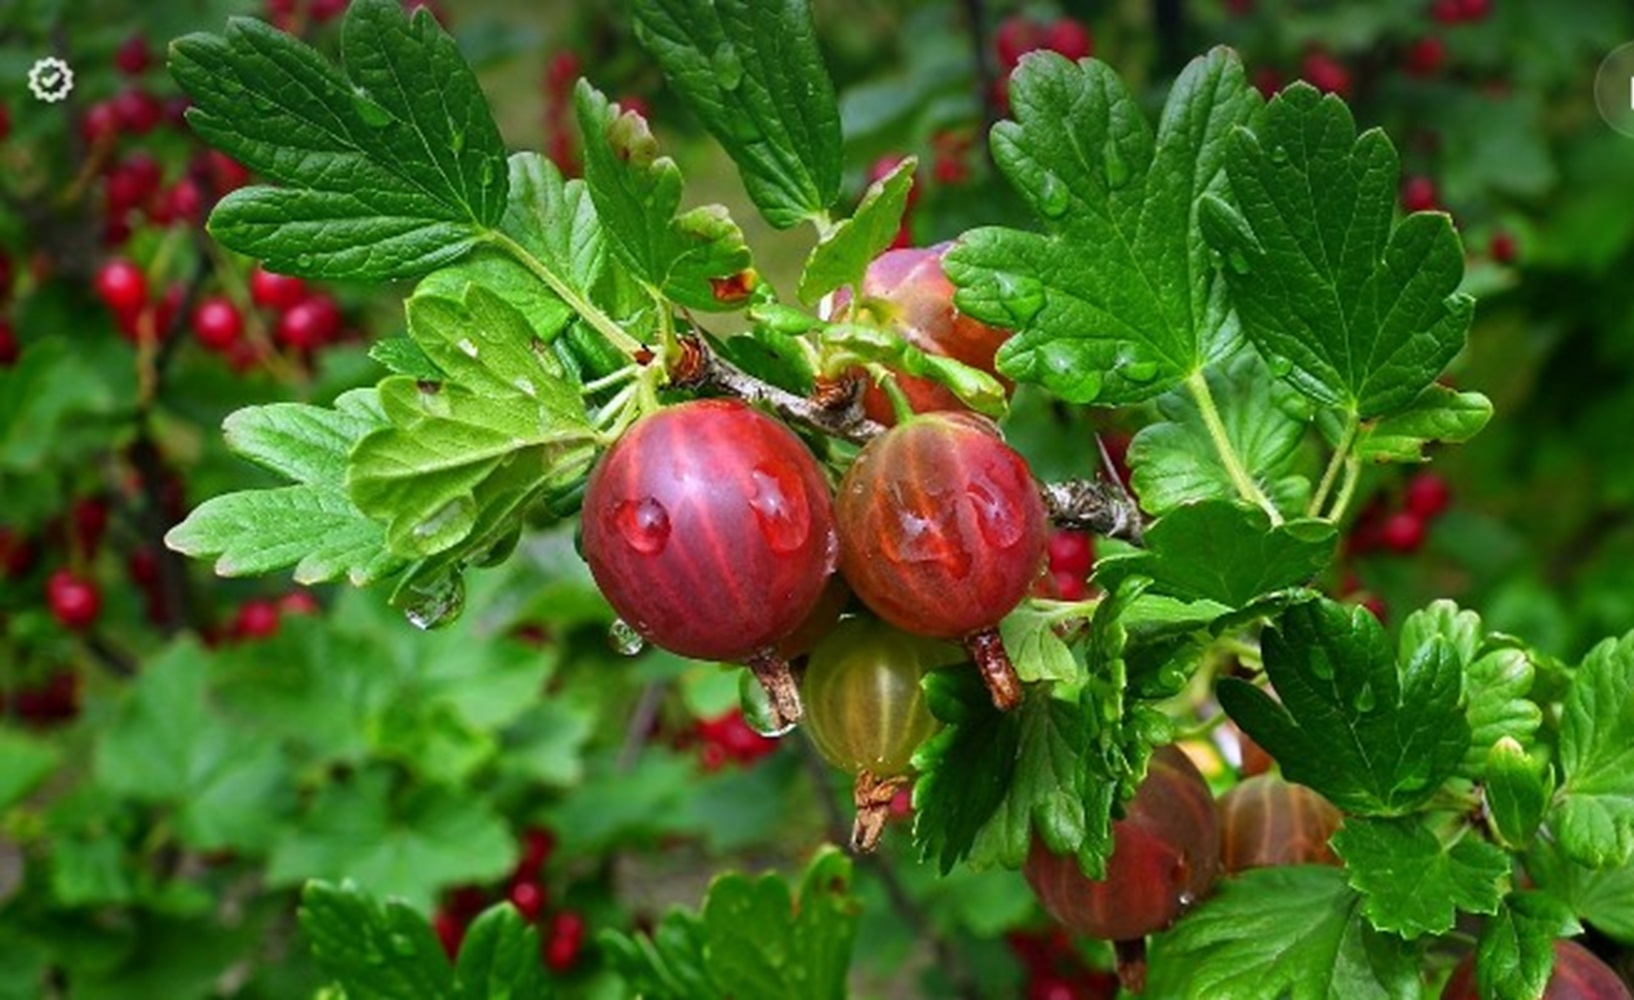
[(919, 537), (439, 520), (1321, 667), (486, 175), (1138, 371), (305, 261), (436, 603), (1366, 700), (780, 506), (1279, 365), (372, 113), (1279, 155), (1053, 196), (728, 67), (757, 708), (403, 946), (1238, 261), (1117, 168), (1186, 899), (995, 519), (456, 143), (643, 524), (465, 345), (623, 639), (1022, 296)]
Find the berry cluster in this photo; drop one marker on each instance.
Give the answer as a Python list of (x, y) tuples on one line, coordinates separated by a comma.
[(1393, 524), (727, 739), (1018, 35), (562, 930), (1055, 970)]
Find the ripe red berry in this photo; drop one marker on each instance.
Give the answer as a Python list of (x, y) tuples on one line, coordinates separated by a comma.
[(529, 899), (143, 565), (1402, 532), (225, 174), (1503, 247), (17, 553), (74, 601), (1447, 11), (564, 941), (5, 271), (1578, 975), (217, 323), (298, 602), (256, 619), (1065, 586), (1266, 821), (537, 845), (275, 291), (942, 529), (560, 74), (709, 528), (1418, 194), (1070, 38), (9, 351), (1267, 81), (1426, 56), (133, 57), (450, 931), (122, 286), (1474, 10), (1326, 73), (5, 121), (137, 111), (1165, 857), (89, 519), (101, 122), (1015, 37), (1427, 495), (1071, 552), (327, 10), (309, 323)]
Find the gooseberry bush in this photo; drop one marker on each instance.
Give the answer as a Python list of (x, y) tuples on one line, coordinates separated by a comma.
[(1222, 328)]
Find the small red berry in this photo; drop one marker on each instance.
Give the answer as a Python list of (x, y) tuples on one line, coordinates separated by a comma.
[(226, 173), (298, 602), (75, 602), (1072, 552), (122, 286), (1326, 73), (5, 122), (309, 323), (450, 931), (101, 122), (182, 202), (1427, 495), (1474, 10), (1447, 11), (137, 111), (5, 268), (1070, 38), (537, 845), (144, 567), (1426, 56), (529, 899), (1418, 194), (327, 10), (1068, 586), (217, 323), (9, 351), (275, 291), (257, 619), (562, 71), (1267, 81), (566, 937), (1402, 532), (90, 521), (1503, 248), (16, 553), (133, 57), (1016, 36)]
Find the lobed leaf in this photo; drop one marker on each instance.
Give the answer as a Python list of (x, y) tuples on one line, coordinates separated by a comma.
[(1412, 883), (1594, 810)]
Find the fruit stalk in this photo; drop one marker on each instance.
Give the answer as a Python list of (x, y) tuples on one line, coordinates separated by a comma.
[(772, 671), (998, 673), (872, 797)]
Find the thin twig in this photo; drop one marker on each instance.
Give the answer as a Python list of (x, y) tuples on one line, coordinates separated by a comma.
[(1092, 505), (842, 417)]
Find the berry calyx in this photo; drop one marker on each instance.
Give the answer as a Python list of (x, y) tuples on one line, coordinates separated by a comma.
[(709, 528), (75, 601), (217, 323), (122, 286)]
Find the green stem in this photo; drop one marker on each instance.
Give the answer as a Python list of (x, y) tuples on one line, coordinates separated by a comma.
[(1331, 474), (1353, 473), (899, 400), (1246, 487), (603, 323)]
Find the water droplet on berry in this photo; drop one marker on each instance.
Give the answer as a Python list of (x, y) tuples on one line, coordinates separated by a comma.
[(643, 524), (436, 602), (1053, 196), (1117, 168), (728, 67), (780, 506), (1022, 296), (998, 524), (922, 537), (624, 639)]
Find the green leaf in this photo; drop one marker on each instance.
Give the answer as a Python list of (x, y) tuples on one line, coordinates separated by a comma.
[(499, 959), (843, 253), (666, 965), (1414, 884), (1037, 652), (1361, 314), (1603, 898), (374, 950), (763, 942), (1119, 299), (965, 770), (1221, 551), (1438, 414), (1517, 792), (1441, 618), (25, 761), (975, 388), (313, 525), (167, 744), (508, 428), (402, 356), (411, 845), (753, 71), (698, 258), (1374, 737), (1497, 683), (1175, 462), (387, 170), (555, 221), (1290, 933), (1594, 812), (1515, 954)]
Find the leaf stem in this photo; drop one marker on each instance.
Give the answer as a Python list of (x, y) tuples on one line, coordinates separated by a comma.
[(1246, 487), (1330, 475), (1353, 473), (603, 323)]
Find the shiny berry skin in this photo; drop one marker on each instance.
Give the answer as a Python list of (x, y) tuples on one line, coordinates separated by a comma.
[(529, 899), (74, 601), (1266, 821), (708, 526), (1427, 495), (1578, 975), (907, 291), (1165, 857), (942, 530), (122, 286), (1402, 532), (275, 291), (309, 323), (865, 710), (217, 323)]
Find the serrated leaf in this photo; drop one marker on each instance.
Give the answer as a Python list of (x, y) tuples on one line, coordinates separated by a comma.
[(313, 526), (387, 170), (1222, 551), (374, 950), (1412, 883), (1594, 812), (1604, 898), (843, 253), (1362, 314), (760, 941), (964, 770), (1175, 461), (1438, 414), (666, 965), (1460, 628), (975, 388), (555, 220), (1515, 954), (753, 71), (1498, 683), (499, 959), (1517, 792), (697, 258), (1118, 299), (1375, 737), (1290, 933), (772, 356), (402, 356)]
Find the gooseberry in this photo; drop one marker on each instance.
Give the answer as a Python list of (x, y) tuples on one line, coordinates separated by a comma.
[(1577, 975), (1267, 821)]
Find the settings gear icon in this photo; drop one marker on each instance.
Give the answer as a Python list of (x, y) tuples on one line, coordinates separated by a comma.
[(50, 79)]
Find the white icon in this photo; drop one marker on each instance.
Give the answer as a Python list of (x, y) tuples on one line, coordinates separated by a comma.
[(50, 79)]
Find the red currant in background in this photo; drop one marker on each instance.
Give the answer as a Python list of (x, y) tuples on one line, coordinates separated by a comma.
[(1267, 821), (529, 899), (565, 940), (1072, 552), (137, 111), (1503, 247), (9, 351), (309, 323), (217, 323), (942, 532), (1578, 975), (5, 121), (133, 57), (708, 527), (275, 291), (1165, 857), (1427, 495), (256, 619), (1326, 73), (100, 124), (122, 286), (1402, 532), (866, 712), (1426, 56), (75, 601), (1418, 194)]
